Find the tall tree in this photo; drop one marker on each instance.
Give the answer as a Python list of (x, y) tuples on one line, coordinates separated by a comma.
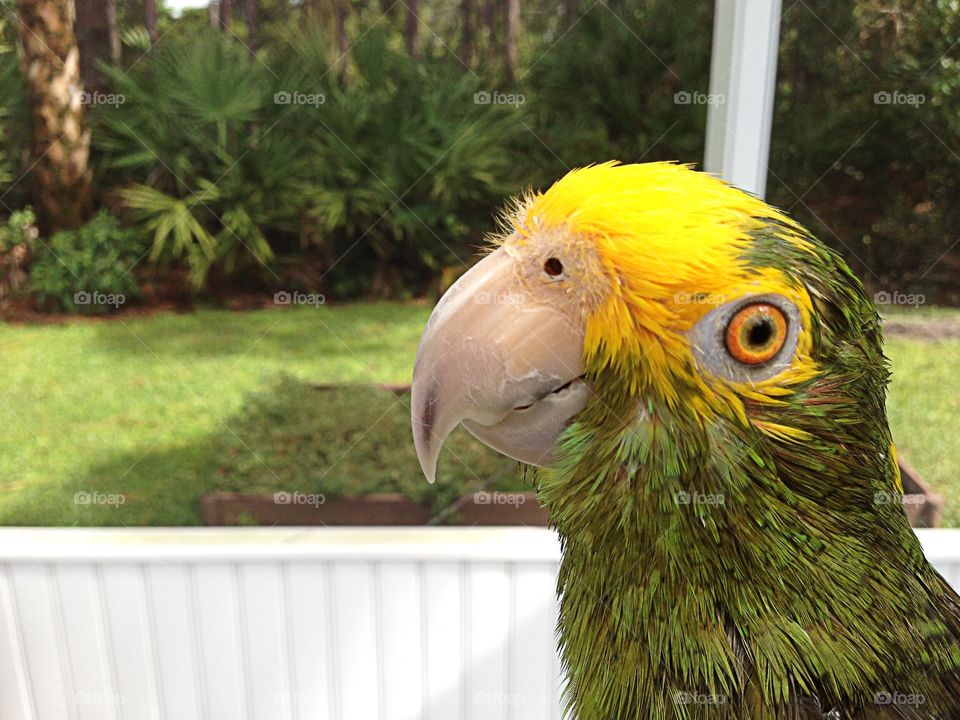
[(571, 11), (512, 33), (341, 14), (226, 13), (466, 32), (411, 30), (150, 19), (113, 31), (60, 145), (250, 18), (93, 39), (214, 9)]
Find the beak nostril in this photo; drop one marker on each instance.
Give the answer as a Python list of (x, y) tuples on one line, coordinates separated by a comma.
[(555, 391)]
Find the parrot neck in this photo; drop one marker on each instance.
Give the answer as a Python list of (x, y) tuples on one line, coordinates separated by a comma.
[(694, 574)]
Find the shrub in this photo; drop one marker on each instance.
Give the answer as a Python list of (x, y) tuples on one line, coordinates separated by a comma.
[(621, 83), (409, 165), (17, 238), (87, 270), (206, 176), (231, 163)]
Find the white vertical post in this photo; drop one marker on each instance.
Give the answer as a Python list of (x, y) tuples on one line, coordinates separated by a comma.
[(743, 73)]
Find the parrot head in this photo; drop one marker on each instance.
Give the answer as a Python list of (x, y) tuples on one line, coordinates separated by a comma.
[(642, 289), (699, 385)]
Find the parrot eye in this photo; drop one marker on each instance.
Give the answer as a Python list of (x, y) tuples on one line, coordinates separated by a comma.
[(756, 333), (748, 340), (553, 267)]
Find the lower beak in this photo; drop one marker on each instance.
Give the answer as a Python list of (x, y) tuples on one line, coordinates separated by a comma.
[(506, 365)]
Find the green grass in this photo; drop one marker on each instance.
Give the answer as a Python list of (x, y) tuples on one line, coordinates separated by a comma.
[(164, 409), (924, 412), (134, 405)]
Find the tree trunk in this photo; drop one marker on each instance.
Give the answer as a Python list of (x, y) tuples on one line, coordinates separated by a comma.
[(512, 31), (488, 25), (571, 10), (343, 44), (150, 19), (93, 39), (226, 13), (215, 14), (466, 32), (412, 30), (250, 18), (60, 146), (113, 30)]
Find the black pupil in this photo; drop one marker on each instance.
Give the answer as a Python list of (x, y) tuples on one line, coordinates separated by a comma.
[(760, 333), (553, 267)]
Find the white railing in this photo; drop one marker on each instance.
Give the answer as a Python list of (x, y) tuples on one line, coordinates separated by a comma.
[(338, 624)]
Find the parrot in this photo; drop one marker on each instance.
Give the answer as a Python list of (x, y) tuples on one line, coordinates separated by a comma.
[(696, 387)]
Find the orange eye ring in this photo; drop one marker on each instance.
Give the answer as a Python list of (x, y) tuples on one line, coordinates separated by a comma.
[(756, 333)]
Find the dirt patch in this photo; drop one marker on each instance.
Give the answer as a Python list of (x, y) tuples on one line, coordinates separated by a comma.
[(934, 329)]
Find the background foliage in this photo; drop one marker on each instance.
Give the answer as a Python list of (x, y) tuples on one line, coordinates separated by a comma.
[(377, 174)]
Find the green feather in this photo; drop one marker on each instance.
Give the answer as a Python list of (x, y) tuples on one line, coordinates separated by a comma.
[(785, 592)]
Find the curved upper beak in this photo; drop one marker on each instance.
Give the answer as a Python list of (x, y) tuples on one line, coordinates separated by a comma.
[(507, 366)]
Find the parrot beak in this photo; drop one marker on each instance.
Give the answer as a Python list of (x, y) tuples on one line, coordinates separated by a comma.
[(509, 367)]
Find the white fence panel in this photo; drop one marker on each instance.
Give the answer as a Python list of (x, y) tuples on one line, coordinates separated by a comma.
[(267, 624)]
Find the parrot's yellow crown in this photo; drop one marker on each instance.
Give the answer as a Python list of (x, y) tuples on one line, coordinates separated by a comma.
[(660, 246)]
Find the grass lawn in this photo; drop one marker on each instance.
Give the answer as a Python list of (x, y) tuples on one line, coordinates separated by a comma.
[(152, 412)]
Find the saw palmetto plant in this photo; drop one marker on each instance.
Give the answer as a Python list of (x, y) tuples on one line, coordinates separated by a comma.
[(700, 387)]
